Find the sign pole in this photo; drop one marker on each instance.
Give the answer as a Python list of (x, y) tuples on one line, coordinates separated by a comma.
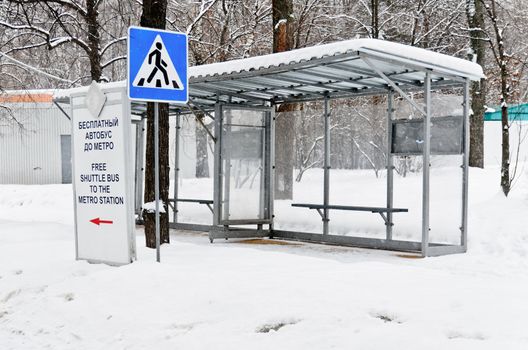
[(157, 72), (156, 176)]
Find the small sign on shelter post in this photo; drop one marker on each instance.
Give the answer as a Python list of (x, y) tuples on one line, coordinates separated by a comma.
[(103, 176)]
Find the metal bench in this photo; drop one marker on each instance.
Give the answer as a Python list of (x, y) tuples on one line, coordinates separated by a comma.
[(207, 202), (380, 210)]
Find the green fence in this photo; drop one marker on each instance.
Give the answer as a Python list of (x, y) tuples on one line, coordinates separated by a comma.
[(516, 112)]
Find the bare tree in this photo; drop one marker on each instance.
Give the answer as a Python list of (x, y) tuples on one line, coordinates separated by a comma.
[(475, 17), (154, 16), (219, 30), (501, 59), (75, 30), (56, 23), (375, 27), (283, 22)]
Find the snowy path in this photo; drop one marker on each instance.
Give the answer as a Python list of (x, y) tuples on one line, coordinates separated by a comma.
[(227, 295)]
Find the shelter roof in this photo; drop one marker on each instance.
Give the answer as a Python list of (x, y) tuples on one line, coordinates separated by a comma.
[(338, 69), (381, 48)]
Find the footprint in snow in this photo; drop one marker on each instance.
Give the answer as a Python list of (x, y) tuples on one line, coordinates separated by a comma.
[(275, 326), (465, 335), (18, 272), (386, 317), (17, 332), (179, 329), (80, 273), (41, 288), (10, 295), (68, 296)]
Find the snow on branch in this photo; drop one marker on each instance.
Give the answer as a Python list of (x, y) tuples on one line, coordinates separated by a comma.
[(113, 60), (72, 5), (203, 10), (38, 70), (111, 43)]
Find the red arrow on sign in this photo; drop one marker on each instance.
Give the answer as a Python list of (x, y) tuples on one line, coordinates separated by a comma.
[(98, 221)]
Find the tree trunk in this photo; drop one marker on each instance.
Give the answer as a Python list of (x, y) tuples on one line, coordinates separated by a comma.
[(153, 16), (94, 40), (202, 162), (475, 14), (374, 4), (505, 163), (500, 55), (284, 125), (284, 151), (202, 155)]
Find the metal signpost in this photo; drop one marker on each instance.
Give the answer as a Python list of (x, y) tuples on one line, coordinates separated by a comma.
[(157, 72), (103, 188)]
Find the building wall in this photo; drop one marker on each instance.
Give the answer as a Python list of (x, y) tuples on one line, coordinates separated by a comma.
[(30, 152)]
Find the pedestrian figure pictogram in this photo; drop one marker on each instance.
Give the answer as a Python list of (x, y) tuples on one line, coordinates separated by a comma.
[(159, 64), (157, 70)]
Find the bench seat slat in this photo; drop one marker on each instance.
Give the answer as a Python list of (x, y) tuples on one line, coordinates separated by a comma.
[(189, 200), (350, 207)]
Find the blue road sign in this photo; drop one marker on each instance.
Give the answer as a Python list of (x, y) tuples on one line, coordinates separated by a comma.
[(157, 65)]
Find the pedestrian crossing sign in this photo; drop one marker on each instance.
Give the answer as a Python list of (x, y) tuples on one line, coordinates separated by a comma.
[(157, 65)]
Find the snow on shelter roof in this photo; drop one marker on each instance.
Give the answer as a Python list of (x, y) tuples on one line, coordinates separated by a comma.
[(428, 59), (341, 69)]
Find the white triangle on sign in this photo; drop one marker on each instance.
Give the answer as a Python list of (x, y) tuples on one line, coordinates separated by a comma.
[(157, 70)]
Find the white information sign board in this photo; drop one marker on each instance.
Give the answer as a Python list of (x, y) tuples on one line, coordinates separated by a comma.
[(103, 179)]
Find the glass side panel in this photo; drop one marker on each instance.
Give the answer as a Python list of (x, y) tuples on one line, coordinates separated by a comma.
[(243, 151)]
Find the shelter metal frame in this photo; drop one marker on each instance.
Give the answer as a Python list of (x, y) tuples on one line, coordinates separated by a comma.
[(341, 76)]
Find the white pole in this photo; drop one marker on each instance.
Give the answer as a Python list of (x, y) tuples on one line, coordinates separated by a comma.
[(156, 177)]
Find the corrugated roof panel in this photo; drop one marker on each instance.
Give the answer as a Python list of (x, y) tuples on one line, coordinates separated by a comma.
[(350, 48)]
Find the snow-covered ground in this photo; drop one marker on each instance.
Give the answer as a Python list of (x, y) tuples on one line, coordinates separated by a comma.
[(242, 295)]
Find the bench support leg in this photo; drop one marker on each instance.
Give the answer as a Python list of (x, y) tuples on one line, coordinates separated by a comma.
[(384, 218), (176, 167)]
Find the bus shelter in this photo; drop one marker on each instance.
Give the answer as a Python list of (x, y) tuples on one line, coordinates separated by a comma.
[(241, 97)]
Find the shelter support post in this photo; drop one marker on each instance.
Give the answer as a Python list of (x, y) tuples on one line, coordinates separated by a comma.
[(465, 169), (326, 190), (217, 180), (390, 167), (270, 148), (176, 167), (140, 151), (426, 165), (226, 162)]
